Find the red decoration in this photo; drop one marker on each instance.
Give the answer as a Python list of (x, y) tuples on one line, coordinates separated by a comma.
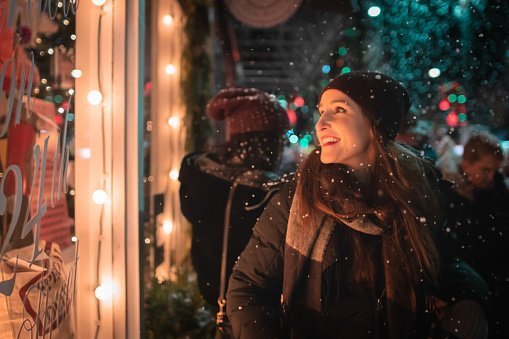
[(444, 105), (452, 119), (291, 116), (299, 101)]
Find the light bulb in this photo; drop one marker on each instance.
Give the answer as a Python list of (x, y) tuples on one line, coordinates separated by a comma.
[(170, 69), (50, 51), (100, 197), (174, 174), (105, 291), (94, 97), (76, 73), (85, 153), (98, 3), (74, 238), (167, 227), (167, 20), (374, 11), (434, 72), (174, 122)]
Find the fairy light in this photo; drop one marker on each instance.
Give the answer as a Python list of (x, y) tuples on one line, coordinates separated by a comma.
[(105, 291), (100, 197), (98, 3), (73, 36), (74, 238), (167, 20), (170, 69), (174, 174), (76, 73), (85, 153), (174, 122), (50, 51), (167, 226), (94, 97), (434, 73)]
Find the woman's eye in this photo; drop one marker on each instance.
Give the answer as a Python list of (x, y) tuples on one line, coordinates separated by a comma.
[(340, 110)]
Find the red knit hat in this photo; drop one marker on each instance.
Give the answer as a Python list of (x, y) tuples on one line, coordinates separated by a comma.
[(247, 110)]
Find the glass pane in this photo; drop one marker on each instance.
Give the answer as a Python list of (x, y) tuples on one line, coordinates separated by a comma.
[(37, 59)]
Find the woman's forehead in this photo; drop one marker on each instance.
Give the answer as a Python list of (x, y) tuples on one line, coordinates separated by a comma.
[(331, 96)]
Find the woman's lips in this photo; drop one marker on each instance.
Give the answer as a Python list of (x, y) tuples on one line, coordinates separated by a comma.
[(328, 141)]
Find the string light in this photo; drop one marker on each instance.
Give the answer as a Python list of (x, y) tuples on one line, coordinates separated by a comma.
[(50, 51), (174, 122), (94, 97), (61, 110), (167, 20), (434, 73), (170, 69), (174, 174), (73, 36), (98, 3), (105, 291), (100, 197), (76, 73), (74, 238), (374, 11), (167, 226)]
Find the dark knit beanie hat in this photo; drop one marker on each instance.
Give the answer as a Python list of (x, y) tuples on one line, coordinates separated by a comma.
[(247, 110), (382, 97)]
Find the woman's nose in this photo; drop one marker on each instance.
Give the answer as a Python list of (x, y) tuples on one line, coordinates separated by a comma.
[(323, 122)]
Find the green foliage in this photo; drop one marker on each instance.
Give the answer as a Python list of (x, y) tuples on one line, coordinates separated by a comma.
[(196, 72), (176, 310)]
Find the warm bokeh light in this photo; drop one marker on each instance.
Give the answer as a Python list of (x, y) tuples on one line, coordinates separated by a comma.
[(174, 122), (167, 226), (100, 197), (167, 20), (170, 69), (94, 97)]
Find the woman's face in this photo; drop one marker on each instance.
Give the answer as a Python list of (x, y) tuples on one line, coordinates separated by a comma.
[(343, 131)]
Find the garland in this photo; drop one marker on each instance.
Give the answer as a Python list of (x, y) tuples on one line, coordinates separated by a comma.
[(196, 72)]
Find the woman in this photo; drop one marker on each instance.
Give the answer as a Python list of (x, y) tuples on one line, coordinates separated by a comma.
[(347, 250)]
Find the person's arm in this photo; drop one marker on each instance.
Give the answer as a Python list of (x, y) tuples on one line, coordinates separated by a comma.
[(253, 298)]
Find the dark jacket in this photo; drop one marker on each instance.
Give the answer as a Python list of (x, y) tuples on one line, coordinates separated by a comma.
[(281, 259), (481, 231), (204, 194)]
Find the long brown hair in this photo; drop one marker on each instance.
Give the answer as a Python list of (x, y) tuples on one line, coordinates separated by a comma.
[(399, 196)]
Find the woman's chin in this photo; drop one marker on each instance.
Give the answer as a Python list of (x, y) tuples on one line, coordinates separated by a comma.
[(326, 159)]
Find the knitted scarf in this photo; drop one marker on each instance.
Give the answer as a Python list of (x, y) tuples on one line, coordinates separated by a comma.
[(307, 239)]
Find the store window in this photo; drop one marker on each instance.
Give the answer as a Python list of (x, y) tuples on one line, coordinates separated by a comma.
[(37, 195)]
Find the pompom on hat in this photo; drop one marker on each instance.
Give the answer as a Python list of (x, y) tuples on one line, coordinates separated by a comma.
[(247, 110), (383, 98)]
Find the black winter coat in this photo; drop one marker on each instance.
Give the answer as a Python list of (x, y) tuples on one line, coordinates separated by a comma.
[(255, 306), (204, 192)]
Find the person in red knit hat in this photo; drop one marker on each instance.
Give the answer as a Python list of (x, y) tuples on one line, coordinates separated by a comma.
[(230, 185)]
